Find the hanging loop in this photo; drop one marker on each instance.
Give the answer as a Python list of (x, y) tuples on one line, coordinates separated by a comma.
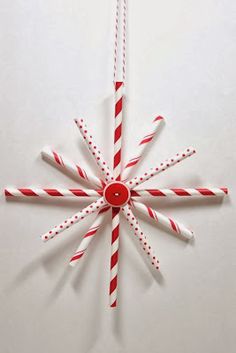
[(120, 39)]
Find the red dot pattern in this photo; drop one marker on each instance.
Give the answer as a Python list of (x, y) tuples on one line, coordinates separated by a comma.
[(142, 238), (161, 167), (94, 150), (95, 206)]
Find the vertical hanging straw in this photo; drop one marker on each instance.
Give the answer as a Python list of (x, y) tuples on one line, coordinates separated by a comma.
[(119, 87)]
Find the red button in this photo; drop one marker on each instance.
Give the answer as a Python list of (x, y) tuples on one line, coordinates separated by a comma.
[(116, 194)]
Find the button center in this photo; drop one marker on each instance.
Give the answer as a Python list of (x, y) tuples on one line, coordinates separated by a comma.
[(116, 194)]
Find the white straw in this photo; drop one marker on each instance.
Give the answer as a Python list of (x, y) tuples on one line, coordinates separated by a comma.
[(180, 192), (88, 237), (160, 167), (133, 222), (49, 192), (165, 221), (93, 207), (93, 148), (67, 165), (142, 147)]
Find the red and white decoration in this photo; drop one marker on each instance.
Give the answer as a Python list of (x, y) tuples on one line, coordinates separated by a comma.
[(116, 192)]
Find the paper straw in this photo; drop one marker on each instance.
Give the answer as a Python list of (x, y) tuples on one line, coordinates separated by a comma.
[(165, 221), (45, 193), (183, 192), (160, 167), (133, 222), (88, 237), (67, 165), (96, 153), (114, 256), (118, 130), (142, 147), (93, 207), (115, 235)]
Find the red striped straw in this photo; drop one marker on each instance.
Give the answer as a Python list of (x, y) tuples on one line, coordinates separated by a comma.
[(68, 166), (182, 192), (133, 183), (116, 211), (119, 86), (58, 192), (114, 256), (167, 222), (89, 236), (133, 222), (142, 147)]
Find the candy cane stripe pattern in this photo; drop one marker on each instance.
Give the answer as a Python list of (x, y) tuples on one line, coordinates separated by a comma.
[(133, 222), (165, 221), (116, 190), (115, 194), (58, 192), (143, 144), (114, 256), (116, 211), (161, 167), (183, 192), (118, 129), (96, 153), (93, 207), (88, 237), (67, 165)]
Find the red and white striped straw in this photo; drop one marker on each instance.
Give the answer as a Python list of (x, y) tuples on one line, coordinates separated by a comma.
[(88, 237), (96, 153), (116, 211), (114, 256), (142, 146), (93, 207), (160, 167), (183, 192), (67, 165), (133, 222), (58, 192), (165, 221), (118, 130)]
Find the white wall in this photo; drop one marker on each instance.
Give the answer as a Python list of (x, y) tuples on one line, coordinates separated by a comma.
[(56, 63)]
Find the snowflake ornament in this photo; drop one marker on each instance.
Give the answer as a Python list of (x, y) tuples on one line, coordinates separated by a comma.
[(116, 191)]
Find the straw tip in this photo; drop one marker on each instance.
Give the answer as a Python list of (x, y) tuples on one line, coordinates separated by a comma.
[(226, 190), (191, 150), (78, 120), (44, 238), (72, 264), (46, 149), (190, 235), (158, 118), (6, 193)]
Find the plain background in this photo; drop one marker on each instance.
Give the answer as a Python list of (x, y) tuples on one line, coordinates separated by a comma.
[(56, 63)]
